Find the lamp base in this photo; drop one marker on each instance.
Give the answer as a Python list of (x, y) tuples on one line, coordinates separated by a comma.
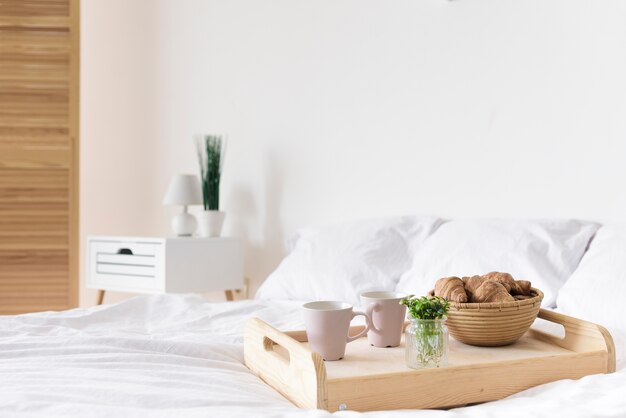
[(184, 224)]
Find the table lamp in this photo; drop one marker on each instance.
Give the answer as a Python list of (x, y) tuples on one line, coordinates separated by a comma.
[(184, 190)]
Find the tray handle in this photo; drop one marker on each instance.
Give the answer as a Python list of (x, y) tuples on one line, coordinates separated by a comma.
[(286, 364), (580, 336)]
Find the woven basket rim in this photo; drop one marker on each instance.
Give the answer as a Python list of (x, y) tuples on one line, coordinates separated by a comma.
[(498, 305)]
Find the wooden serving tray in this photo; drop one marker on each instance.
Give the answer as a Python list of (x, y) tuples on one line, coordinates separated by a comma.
[(371, 378)]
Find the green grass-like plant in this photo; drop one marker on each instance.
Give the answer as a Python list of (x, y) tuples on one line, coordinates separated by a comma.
[(426, 307), (426, 339), (210, 159)]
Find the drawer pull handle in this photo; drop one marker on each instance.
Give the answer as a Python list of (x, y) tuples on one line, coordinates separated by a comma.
[(126, 251)]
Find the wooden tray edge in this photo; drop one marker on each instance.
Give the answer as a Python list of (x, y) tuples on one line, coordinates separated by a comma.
[(300, 365), (302, 379)]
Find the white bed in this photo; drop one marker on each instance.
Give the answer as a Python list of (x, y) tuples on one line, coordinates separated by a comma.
[(178, 355)]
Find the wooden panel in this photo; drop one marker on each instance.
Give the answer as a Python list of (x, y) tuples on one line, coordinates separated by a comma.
[(38, 155), (34, 78), (33, 278), (37, 8), (34, 209)]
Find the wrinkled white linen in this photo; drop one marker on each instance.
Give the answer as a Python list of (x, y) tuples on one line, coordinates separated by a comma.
[(546, 252), (600, 276), (178, 355), (339, 262)]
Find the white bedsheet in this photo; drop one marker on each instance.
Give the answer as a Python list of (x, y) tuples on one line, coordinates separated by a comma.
[(177, 355)]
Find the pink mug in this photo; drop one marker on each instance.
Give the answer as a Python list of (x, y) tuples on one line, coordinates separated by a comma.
[(386, 316), (327, 325)]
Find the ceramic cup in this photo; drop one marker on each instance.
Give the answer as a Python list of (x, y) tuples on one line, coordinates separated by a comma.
[(327, 325), (387, 317)]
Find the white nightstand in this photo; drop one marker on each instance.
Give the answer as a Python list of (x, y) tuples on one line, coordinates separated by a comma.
[(164, 265)]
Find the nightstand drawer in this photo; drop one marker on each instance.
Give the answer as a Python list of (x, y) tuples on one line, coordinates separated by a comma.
[(126, 265), (125, 248), (125, 259), (125, 270), (164, 265)]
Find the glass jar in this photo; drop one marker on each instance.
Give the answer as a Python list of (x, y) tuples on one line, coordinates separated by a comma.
[(426, 343)]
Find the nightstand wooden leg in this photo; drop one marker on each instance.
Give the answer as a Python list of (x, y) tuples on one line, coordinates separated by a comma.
[(229, 295), (100, 297), (246, 286)]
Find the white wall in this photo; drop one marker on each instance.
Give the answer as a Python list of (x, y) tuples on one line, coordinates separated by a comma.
[(118, 96), (345, 109)]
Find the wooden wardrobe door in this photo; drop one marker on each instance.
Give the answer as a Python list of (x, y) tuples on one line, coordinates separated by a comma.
[(39, 74)]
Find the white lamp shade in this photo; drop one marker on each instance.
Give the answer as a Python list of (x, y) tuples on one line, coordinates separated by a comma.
[(184, 189)]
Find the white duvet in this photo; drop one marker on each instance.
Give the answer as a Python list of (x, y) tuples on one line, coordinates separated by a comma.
[(180, 356)]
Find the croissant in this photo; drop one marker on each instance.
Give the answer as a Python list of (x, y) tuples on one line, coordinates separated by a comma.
[(524, 286), (451, 288), (506, 280), (491, 291), (472, 284)]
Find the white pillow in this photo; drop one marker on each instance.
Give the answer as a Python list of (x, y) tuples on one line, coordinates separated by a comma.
[(544, 252), (340, 262), (596, 290)]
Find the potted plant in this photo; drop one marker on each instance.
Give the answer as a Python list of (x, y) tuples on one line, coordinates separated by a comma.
[(211, 158), (426, 336)]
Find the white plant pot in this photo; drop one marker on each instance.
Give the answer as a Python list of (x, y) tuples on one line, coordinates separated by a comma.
[(210, 223)]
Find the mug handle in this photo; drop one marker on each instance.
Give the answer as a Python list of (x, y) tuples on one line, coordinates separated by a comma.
[(367, 326), (370, 309)]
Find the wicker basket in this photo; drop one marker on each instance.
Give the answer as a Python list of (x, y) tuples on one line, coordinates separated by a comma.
[(492, 324)]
